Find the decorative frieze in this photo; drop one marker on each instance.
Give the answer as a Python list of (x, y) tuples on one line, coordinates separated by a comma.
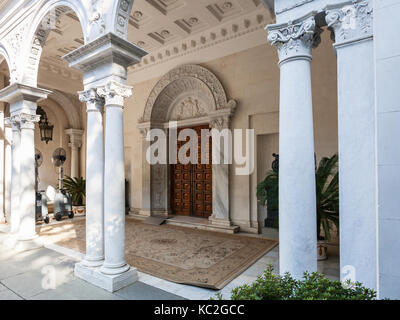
[(352, 22), (294, 39)]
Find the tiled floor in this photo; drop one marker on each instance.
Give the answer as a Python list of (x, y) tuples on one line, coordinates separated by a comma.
[(18, 269)]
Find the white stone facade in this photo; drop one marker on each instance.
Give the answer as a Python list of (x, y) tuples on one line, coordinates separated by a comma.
[(326, 85)]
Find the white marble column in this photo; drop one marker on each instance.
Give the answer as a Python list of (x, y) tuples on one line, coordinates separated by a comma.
[(2, 145), (104, 64), (75, 136), (23, 103), (114, 94), (7, 171), (15, 175), (297, 195), (94, 179), (27, 194), (352, 25)]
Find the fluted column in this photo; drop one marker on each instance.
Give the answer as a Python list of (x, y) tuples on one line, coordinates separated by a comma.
[(114, 94), (94, 178), (353, 29), (75, 136), (297, 210), (15, 174)]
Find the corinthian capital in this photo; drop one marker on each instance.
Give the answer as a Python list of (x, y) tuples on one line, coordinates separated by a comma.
[(351, 22), (93, 101), (114, 93), (27, 120), (294, 39)]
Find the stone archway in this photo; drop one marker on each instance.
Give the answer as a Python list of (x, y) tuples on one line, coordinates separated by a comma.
[(190, 95)]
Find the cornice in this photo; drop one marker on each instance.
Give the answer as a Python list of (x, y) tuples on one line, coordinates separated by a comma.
[(16, 92), (107, 48)]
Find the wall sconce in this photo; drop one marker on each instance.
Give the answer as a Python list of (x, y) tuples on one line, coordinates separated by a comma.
[(46, 130)]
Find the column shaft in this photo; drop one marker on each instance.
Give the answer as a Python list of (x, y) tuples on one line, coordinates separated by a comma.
[(357, 144), (114, 179), (2, 149), (27, 195), (94, 179), (7, 173), (297, 195), (15, 178)]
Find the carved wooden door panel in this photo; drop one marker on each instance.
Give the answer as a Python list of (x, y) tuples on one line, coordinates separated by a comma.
[(191, 184)]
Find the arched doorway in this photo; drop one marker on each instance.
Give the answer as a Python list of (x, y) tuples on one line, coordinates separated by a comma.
[(190, 96)]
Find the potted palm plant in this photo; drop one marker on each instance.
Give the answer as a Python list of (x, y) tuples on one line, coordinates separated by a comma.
[(327, 196), (76, 187), (268, 194), (327, 199)]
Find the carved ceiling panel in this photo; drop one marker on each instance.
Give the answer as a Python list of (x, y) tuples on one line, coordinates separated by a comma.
[(165, 29)]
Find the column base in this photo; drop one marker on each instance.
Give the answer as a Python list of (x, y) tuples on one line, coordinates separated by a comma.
[(13, 242), (107, 282), (220, 222), (92, 263)]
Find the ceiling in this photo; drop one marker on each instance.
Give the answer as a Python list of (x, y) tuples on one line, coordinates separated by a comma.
[(154, 25)]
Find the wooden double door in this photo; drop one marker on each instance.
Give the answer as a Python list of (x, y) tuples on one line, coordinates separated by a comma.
[(191, 184)]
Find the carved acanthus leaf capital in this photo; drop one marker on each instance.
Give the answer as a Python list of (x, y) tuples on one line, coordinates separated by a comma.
[(351, 22), (294, 39), (93, 101), (222, 122), (27, 120), (114, 93)]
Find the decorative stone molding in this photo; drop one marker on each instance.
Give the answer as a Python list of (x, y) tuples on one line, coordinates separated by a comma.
[(122, 17), (14, 42), (39, 39), (352, 22), (239, 27), (295, 39)]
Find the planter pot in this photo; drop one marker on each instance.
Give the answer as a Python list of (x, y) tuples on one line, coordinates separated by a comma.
[(272, 218), (79, 210), (322, 250)]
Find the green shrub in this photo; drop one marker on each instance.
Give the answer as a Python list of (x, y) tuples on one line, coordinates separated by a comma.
[(313, 286)]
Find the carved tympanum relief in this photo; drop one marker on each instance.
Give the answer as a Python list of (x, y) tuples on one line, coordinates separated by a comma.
[(189, 107)]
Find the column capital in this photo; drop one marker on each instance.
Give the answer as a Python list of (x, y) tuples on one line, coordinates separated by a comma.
[(27, 120), (94, 103), (295, 39), (75, 136), (351, 22), (114, 93), (13, 122)]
